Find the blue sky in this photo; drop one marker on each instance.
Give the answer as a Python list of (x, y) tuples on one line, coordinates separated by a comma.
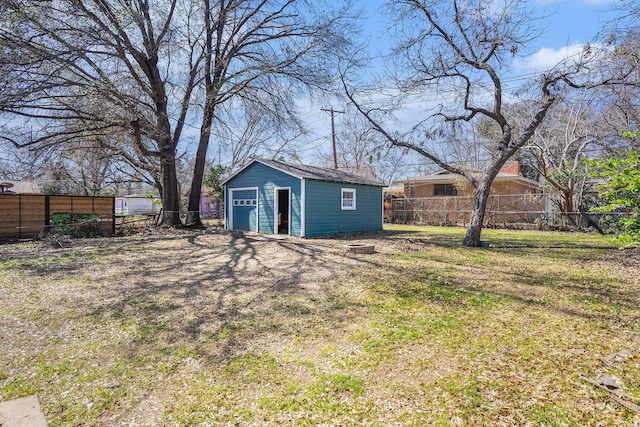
[(575, 21), (570, 24)]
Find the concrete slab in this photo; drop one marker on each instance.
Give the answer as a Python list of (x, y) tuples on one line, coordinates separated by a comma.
[(24, 412)]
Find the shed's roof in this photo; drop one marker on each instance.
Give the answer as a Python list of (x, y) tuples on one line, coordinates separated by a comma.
[(312, 172)]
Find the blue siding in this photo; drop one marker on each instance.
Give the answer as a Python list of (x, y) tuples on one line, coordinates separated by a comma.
[(267, 180), (324, 214), (322, 202)]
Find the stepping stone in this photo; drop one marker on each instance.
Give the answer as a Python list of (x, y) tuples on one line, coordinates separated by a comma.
[(24, 412), (359, 248)]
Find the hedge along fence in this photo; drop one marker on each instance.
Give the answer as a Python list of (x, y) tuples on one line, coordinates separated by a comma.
[(25, 216)]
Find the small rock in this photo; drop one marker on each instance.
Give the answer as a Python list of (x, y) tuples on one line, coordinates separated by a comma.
[(625, 353), (608, 381), (618, 357)]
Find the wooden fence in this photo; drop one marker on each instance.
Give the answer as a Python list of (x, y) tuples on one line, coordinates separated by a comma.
[(25, 216)]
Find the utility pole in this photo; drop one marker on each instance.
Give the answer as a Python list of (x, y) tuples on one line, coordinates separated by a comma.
[(333, 134)]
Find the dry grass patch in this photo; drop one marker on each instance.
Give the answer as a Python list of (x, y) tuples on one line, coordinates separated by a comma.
[(205, 328)]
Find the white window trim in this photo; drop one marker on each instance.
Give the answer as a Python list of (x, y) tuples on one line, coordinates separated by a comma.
[(303, 207), (275, 210), (342, 199)]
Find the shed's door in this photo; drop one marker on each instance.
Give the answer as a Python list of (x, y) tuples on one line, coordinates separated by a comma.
[(244, 210)]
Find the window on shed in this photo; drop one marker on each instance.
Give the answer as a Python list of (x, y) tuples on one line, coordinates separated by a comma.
[(348, 199), (445, 190)]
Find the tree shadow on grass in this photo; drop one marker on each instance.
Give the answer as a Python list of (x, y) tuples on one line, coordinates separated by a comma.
[(216, 297), (567, 292), (219, 294), (220, 297)]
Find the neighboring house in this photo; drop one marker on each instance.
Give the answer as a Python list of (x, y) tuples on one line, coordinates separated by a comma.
[(273, 197), (19, 187), (209, 206), (446, 198), (394, 190), (135, 204)]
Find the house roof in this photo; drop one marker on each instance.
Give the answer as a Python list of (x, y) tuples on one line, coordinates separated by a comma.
[(395, 188), (134, 196), (444, 177), (19, 187), (312, 172)]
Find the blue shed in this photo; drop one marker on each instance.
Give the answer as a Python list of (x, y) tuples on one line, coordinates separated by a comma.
[(274, 197)]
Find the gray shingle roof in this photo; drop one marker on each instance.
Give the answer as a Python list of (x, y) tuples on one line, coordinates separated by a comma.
[(320, 174), (312, 172)]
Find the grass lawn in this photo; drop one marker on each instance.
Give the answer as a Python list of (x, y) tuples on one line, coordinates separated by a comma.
[(206, 328)]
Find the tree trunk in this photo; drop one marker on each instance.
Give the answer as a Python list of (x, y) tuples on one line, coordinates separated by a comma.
[(567, 207), (170, 195), (193, 206), (193, 219), (211, 84), (472, 238)]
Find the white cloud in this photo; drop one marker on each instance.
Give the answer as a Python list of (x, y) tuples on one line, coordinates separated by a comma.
[(547, 58)]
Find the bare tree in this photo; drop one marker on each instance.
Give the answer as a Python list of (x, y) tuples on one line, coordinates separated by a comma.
[(139, 68), (620, 104), (560, 144), (459, 53), (15, 164), (254, 135), (263, 52), (361, 150), (587, 125), (87, 168), (62, 59)]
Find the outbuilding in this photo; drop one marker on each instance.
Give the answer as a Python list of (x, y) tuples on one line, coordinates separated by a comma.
[(273, 197), (135, 204)]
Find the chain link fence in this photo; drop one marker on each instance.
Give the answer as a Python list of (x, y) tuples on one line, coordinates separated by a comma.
[(520, 211)]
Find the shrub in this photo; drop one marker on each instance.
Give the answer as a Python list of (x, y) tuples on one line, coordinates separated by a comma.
[(621, 191), (75, 225)]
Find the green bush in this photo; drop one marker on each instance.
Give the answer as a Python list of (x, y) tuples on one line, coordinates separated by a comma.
[(621, 191), (75, 225)]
